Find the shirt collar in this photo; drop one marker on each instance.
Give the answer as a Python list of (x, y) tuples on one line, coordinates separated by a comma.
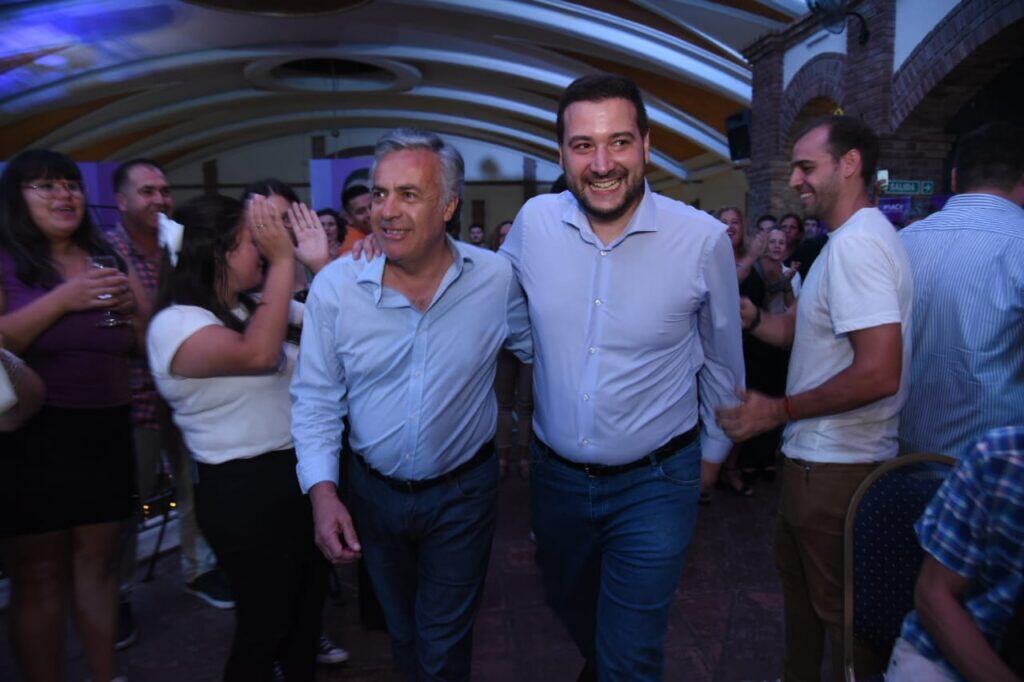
[(643, 219), (121, 233), (978, 199), (462, 259)]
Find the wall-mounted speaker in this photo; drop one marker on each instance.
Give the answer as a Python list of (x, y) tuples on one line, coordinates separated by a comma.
[(737, 129)]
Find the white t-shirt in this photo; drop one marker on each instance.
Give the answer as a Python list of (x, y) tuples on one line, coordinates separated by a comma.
[(221, 418), (860, 280)]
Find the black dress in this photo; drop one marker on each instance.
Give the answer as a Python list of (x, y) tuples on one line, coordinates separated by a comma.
[(766, 368)]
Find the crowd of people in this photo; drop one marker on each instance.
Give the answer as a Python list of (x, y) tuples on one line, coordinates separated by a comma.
[(335, 386)]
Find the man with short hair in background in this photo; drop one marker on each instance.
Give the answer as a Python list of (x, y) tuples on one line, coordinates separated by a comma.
[(766, 222), (476, 235), (850, 334), (967, 367), (143, 195), (355, 201)]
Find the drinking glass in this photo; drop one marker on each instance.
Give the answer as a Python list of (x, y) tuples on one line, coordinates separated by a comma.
[(109, 318)]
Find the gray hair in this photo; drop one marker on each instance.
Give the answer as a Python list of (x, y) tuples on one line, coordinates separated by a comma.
[(453, 169)]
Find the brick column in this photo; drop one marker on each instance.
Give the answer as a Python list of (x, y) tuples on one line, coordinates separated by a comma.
[(869, 67), (766, 162)]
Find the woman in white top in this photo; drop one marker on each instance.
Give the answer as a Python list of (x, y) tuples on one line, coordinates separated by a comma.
[(223, 360)]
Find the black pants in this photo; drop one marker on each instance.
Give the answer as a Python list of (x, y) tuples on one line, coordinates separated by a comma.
[(260, 525)]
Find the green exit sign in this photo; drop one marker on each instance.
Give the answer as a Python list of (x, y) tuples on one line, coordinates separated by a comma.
[(910, 187)]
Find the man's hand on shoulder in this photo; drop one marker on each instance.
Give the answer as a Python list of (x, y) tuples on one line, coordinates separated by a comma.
[(369, 248), (332, 525)]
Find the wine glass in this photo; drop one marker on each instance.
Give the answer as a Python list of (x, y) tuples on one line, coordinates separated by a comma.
[(109, 318)]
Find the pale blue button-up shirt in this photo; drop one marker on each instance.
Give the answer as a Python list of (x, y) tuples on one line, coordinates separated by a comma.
[(418, 387), (635, 339), (967, 371)]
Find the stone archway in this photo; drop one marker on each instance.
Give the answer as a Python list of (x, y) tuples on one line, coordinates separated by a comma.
[(937, 79), (923, 135), (816, 89)]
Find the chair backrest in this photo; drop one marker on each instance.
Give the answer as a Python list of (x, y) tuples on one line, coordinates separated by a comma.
[(882, 553)]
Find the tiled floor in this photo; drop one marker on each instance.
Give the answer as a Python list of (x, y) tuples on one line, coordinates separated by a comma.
[(726, 623)]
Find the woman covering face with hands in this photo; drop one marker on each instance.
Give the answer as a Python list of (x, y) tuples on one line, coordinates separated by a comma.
[(66, 474), (222, 358), (312, 246)]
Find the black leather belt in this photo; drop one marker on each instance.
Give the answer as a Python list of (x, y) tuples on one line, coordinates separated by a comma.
[(411, 486), (654, 457)]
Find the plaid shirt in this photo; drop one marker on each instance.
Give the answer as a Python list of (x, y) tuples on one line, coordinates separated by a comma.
[(145, 400), (974, 526)]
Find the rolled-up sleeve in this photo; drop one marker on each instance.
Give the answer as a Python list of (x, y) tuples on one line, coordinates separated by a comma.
[(318, 392), (721, 341)]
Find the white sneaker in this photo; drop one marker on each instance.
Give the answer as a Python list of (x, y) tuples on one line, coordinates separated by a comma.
[(329, 653)]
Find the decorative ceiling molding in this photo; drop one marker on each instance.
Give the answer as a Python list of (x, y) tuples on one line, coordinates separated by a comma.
[(179, 80)]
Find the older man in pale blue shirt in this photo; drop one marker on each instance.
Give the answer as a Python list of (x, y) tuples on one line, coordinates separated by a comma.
[(406, 346), (635, 308)]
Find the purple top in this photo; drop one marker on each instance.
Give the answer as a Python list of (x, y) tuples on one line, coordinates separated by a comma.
[(82, 365)]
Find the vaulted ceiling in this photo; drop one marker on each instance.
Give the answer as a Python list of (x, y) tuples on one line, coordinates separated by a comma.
[(180, 81)]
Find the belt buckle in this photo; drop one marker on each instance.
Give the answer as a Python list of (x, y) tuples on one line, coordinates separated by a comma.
[(587, 469)]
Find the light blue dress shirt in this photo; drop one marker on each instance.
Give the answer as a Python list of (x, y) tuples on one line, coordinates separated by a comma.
[(967, 367), (635, 339), (418, 388)]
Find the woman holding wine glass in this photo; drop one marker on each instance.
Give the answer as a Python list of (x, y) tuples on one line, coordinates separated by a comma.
[(66, 475)]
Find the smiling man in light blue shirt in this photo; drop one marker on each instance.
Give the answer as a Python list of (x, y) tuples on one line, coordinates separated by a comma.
[(406, 346), (635, 308)]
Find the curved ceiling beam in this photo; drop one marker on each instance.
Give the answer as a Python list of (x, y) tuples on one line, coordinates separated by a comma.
[(672, 55), (151, 70), (514, 138), (167, 142)]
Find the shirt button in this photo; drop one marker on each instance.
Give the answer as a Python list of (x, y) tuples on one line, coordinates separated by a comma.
[(584, 442), (591, 350), (597, 301), (586, 396), (417, 374), (604, 252)]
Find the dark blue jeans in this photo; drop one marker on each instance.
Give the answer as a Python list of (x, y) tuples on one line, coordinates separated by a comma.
[(611, 550), (427, 555)]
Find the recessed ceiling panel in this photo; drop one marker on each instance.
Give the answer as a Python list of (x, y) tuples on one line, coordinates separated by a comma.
[(281, 7)]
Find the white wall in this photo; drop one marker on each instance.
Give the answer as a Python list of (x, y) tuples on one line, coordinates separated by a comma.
[(806, 50), (728, 188), (914, 21)]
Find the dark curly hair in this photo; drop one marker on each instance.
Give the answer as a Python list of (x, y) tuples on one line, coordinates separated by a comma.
[(19, 235)]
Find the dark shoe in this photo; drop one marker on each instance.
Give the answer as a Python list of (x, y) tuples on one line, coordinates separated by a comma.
[(589, 673), (212, 587), (329, 653), (729, 481), (127, 632), (278, 672)]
